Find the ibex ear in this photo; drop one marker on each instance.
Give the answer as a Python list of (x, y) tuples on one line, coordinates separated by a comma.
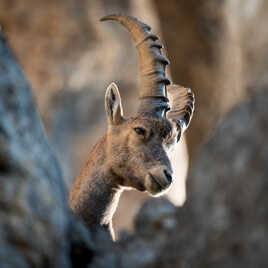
[(113, 105)]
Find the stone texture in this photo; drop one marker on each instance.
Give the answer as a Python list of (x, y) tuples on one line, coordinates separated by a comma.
[(36, 225)]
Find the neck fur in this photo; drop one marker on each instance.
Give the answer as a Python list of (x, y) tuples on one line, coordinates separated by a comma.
[(95, 195)]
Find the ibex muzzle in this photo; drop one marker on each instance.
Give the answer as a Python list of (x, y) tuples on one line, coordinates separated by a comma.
[(158, 180), (134, 153)]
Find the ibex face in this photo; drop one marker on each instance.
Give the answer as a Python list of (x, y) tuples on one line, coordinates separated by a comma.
[(137, 148)]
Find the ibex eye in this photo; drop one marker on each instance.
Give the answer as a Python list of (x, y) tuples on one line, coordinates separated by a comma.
[(140, 131)]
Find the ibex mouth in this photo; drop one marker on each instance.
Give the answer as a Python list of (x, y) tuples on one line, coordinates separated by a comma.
[(156, 185), (161, 184)]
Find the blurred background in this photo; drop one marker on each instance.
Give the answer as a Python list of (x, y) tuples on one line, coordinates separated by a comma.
[(217, 48)]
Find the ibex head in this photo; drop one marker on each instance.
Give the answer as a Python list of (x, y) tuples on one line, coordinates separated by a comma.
[(138, 148)]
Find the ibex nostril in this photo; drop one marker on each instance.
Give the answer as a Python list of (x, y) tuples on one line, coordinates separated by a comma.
[(168, 176)]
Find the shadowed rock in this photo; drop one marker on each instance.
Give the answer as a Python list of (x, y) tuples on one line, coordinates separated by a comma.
[(36, 227)]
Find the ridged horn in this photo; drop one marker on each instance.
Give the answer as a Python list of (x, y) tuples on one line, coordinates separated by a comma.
[(152, 65)]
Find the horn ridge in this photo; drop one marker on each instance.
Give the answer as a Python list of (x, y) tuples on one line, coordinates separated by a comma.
[(149, 36), (156, 44)]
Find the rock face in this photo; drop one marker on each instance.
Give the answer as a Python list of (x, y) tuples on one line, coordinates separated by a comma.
[(36, 227), (228, 189)]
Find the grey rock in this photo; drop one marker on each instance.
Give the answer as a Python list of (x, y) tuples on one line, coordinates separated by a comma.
[(35, 222)]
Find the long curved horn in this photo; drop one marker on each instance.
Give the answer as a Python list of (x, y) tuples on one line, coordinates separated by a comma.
[(152, 64)]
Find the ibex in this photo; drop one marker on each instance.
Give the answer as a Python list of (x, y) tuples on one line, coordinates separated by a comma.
[(134, 152)]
